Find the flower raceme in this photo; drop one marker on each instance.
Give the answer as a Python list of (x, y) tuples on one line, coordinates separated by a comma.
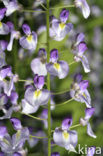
[(84, 7), (59, 28), (64, 137), (79, 90), (78, 49), (56, 67), (30, 40), (34, 97)]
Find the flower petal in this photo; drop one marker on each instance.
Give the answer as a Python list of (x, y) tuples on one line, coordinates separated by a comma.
[(91, 151), (89, 131), (59, 69), (66, 123), (38, 67), (89, 112), (4, 29), (85, 64), (64, 15), (27, 108), (16, 123)]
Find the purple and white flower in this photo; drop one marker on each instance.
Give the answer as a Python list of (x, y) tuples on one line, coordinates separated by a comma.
[(85, 121), (91, 151), (79, 47), (34, 97), (11, 6), (14, 145), (14, 35), (56, 67), (79, 90), (8, 104), (4, 29), (60, 28), (30, 40), (38, 65), (3, 132), (84, 7), (64, 137)]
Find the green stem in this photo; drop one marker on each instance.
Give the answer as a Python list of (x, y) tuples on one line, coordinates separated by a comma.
[(72, 63), (62, 104), (62, 92), (26, 81), (43, 6), (65, 6), (75, 126), (33, 11), (48, 81), (32, 136), (37, 118)]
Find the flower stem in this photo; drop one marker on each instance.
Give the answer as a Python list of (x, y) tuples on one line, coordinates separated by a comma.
[(65, 6), (62, 104), (61, 92), (30, 81), (37, 118), (34, 11), (32, 136), (72, 63), (48, 81), (75, 126), (43, 6)]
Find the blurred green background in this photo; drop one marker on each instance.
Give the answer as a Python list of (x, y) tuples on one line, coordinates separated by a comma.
[(93, 29)]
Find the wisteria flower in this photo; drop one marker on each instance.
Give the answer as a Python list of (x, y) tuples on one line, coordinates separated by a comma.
[(84, 7), (11, 6), (79, 90), (60, 28), (4, 29), (55, 154), (14, 145), (91, 151), (3, 132), (44, 115), (30, 40), (8, 104), (64, 137), (14, 35), (38, 65), (33, 141), (78, 49), (85, 121), (35, 96), (3, 46), (56, 67)]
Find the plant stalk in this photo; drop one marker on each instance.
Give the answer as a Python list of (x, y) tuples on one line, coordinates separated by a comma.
[(48, 81)]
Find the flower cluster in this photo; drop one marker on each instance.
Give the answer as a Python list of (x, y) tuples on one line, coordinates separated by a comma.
[(37, 92)]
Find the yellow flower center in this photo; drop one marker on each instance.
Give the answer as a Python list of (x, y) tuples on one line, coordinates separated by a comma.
[(29, 38), (65, 135), (57, 66), (62, 25), (0, 24), (37, 93)]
